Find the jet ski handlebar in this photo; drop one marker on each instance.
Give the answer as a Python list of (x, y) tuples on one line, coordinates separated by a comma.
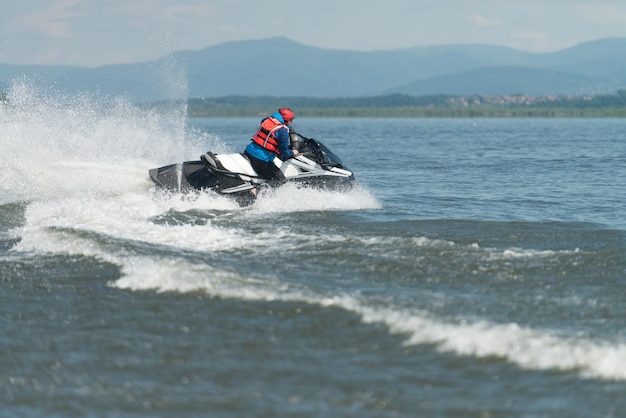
[(307, 147)]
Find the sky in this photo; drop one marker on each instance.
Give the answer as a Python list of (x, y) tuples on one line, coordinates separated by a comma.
[(91, 33)]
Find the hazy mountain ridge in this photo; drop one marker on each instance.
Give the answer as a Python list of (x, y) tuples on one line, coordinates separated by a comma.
[(281, 67), (507, 80)]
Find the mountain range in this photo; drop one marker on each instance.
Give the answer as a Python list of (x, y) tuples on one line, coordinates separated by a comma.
[(282, 67)]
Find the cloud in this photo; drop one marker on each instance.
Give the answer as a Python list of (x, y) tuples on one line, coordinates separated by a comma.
[(187, 13), (157, 12), (482, 21), (53, 21)]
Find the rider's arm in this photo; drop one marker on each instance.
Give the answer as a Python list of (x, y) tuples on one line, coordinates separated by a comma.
[(282, 135)]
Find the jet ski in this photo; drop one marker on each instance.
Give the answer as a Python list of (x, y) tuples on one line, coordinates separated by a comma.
[(232, 174)]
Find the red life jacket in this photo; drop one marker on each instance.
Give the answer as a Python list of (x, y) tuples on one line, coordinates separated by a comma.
[(266, 136)]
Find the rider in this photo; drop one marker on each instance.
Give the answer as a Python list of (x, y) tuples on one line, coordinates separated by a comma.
[(270, 140)]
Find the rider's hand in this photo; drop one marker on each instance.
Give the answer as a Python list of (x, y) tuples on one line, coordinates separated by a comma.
[(295, 152)]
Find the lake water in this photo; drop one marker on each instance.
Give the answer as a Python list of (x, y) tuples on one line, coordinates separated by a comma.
[(479, 270)]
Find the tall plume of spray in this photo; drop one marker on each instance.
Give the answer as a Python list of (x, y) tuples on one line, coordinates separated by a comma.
[(55, 142), (174, 91), (175, 96), (175, 101)]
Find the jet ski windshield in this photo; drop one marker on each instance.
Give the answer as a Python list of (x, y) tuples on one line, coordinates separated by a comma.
[(315, 150), (329, 157)]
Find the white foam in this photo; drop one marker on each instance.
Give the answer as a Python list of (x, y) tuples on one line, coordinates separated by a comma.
[(170, 275), (125, 217), (530, 253), (527, 348), (292, 198)]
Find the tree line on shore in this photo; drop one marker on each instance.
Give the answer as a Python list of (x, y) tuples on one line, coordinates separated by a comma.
[(401, 105)]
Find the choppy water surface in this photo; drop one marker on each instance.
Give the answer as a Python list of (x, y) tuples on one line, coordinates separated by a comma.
[(478, 270)]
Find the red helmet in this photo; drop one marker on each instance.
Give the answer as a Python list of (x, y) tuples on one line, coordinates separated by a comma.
[(286, 113)]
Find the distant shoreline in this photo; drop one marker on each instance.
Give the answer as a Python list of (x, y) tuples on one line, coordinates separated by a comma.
[(404, 106), (421, 113)]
